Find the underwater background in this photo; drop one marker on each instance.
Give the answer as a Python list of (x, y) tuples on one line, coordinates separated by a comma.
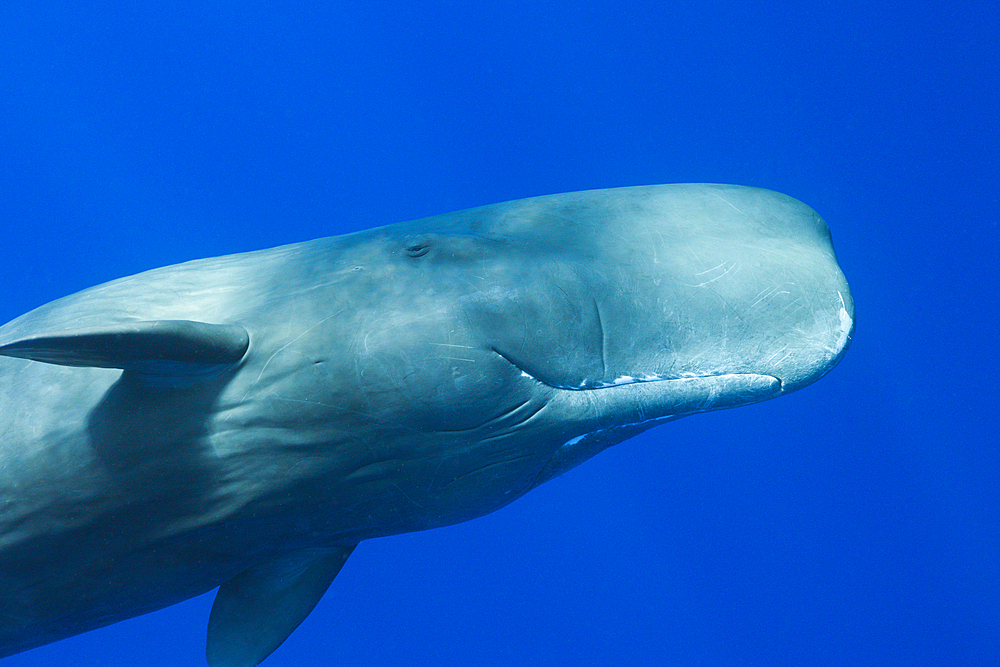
[(856, 522)]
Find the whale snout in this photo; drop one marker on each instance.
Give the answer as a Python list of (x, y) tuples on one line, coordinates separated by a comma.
[(810, 352)]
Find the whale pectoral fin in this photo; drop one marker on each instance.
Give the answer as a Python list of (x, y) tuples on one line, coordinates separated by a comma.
[(171, 353), (255, 611)]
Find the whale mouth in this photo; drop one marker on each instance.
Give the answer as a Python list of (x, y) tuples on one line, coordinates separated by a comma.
[(624, 380)]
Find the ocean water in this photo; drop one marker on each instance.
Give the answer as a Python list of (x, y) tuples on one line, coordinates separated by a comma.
[(856, 522)]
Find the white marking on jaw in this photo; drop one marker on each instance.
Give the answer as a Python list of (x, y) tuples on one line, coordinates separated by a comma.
[(573, 441), (621, 380), (587, 385)]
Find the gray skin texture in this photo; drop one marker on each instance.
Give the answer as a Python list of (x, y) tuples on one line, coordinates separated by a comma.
[(391, 380)]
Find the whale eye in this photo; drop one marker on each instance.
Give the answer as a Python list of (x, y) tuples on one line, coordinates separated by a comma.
[(418, 248)]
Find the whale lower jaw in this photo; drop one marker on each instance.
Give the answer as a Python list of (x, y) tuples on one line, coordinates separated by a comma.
[(599, 418), (752, 379)]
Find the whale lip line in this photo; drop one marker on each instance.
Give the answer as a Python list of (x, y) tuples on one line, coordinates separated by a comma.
[(627, 380)]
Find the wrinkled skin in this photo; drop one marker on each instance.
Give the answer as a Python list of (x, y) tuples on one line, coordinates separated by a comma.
[(396, 379)]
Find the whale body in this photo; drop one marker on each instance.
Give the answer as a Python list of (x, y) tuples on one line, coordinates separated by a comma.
[(243, 422)]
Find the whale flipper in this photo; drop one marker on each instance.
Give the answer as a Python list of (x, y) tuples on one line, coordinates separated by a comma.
[(255, 611), (159, 352)]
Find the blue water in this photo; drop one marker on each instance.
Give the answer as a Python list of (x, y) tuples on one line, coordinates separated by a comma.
[(856, 522)]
